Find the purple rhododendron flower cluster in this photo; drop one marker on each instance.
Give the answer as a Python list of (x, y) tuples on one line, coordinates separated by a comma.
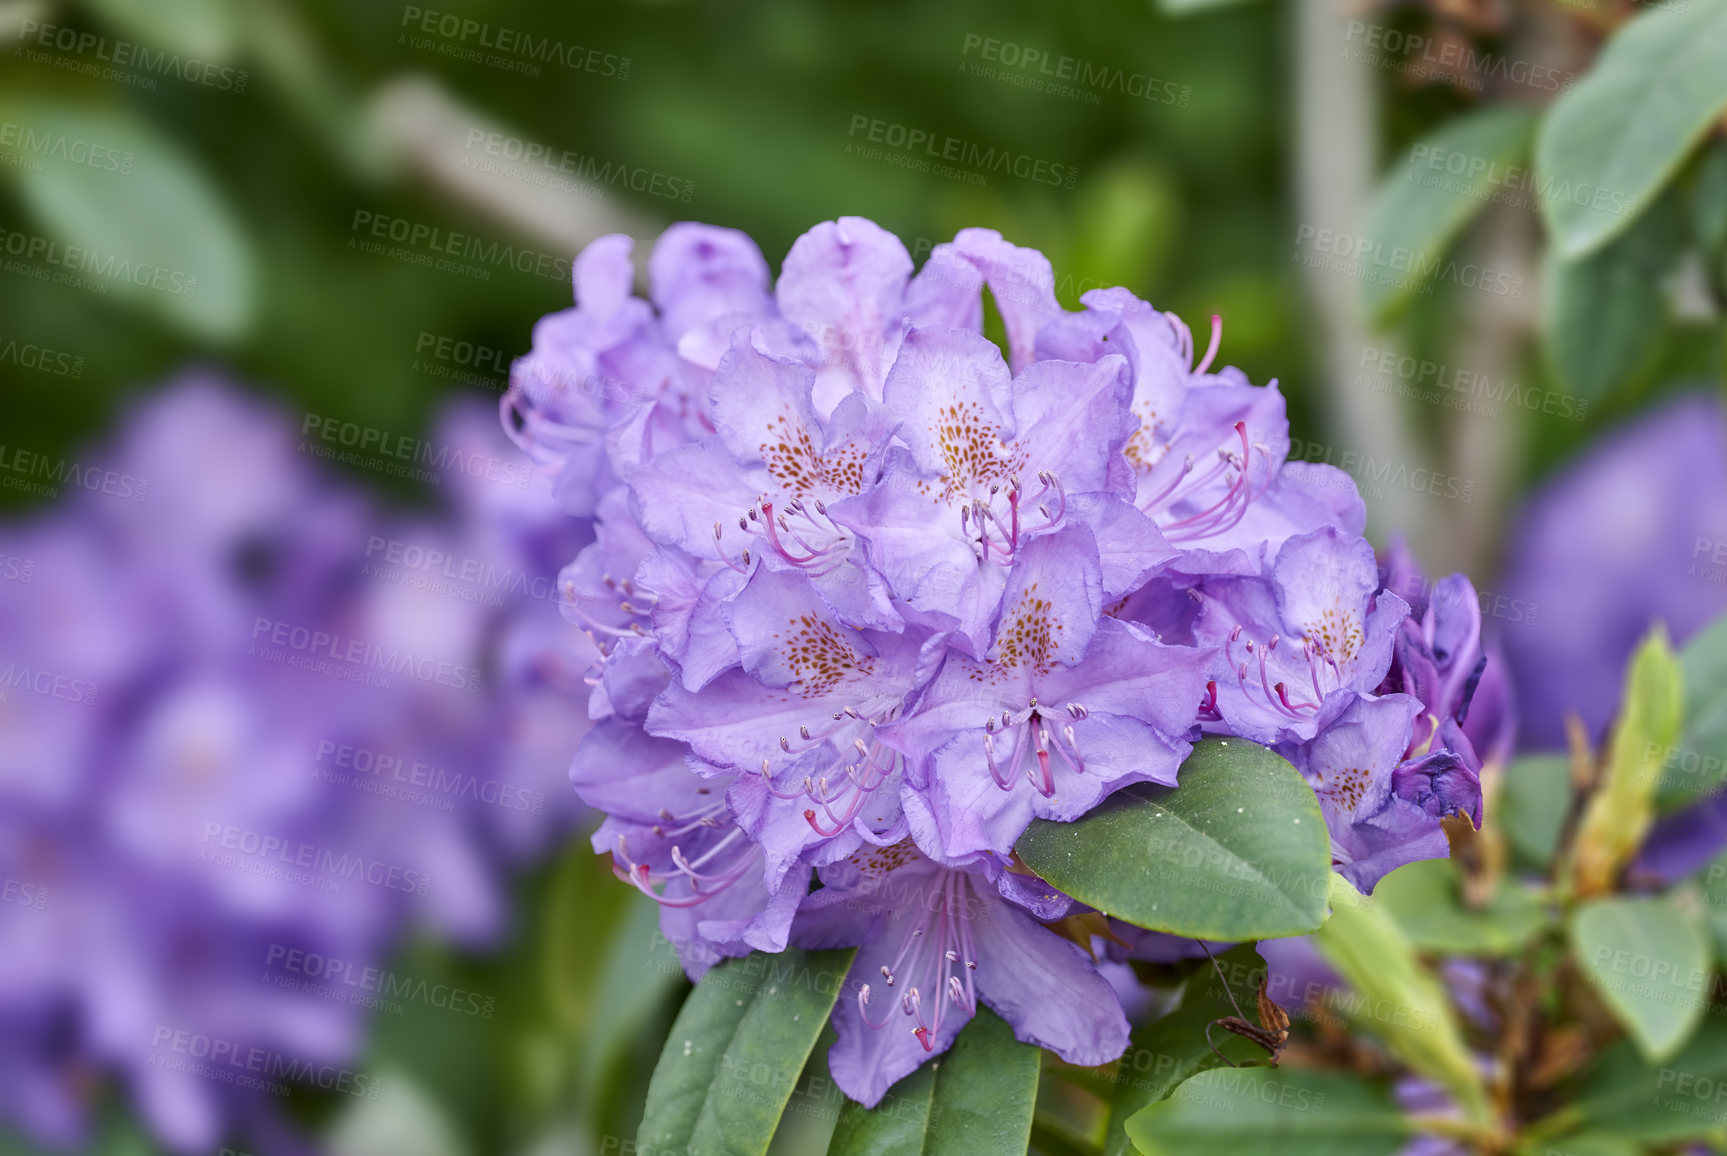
[(873, 596), (214, 826)]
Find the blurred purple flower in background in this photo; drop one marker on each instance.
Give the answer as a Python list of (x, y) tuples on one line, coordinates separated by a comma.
[(1633, 532), (247, 720)]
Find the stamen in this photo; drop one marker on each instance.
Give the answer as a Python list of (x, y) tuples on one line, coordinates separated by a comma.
[(1211, 350)]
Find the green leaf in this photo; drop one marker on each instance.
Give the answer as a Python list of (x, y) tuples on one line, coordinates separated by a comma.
[(1446, 179), (1533, 797), (1170, 1049), (1608, 147), (404, 1120), (144, 225), (736, 1051), (1425, 900), (1651, 965), (1178, 8), (1582, 1144), (1605, 316), (624, 992), (977, 1097), (1624, 1096), (1698, 763), (1239, 851), (1622, 808), (1711, 883), (1271, 1112), (200, 29), (1709, 199), (1404, 1004)]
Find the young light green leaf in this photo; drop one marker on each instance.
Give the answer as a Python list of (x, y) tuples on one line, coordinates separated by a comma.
[(1271, 1112), (1169, 1049), (1424, 899), (1608, 147), (1239, 851), (977, 1097), (1605, 316), (1622, 808), (138, 220), (736, 1050), (1441, 184), (1404, 1005), (1650, 963)]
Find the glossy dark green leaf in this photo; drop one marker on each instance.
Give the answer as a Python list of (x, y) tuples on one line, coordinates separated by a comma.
[(1271, 1112), (1608, 147), (736, 1050), (1605, 316), (977, 1097), (1651, 964), (1424, 899), (1172, 1048), (1238, 851), (1445, 180)]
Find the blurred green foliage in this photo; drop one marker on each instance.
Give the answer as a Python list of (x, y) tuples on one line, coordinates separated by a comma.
[(1180, 196)]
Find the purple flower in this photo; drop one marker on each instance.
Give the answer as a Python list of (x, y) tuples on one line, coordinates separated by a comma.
[(201, 771), (804, 709), (1443, 660), (1315, 628), (607, 378), (672, 836), (1066, 706), (932, 943), (871, 595), (1382, 798), (1629, 535), (1210, 455), (988, 462)]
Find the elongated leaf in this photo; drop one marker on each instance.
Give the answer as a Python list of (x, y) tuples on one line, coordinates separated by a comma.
[(1605, 316), (1271, 1112), (978, 1097), (1172, 1048), (736, 1050), (1423, 897), (127, 214), (1622, 808), (1238, 851), (1650, 963), (1404, 1005), (1608, 147), (1445, 180)]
